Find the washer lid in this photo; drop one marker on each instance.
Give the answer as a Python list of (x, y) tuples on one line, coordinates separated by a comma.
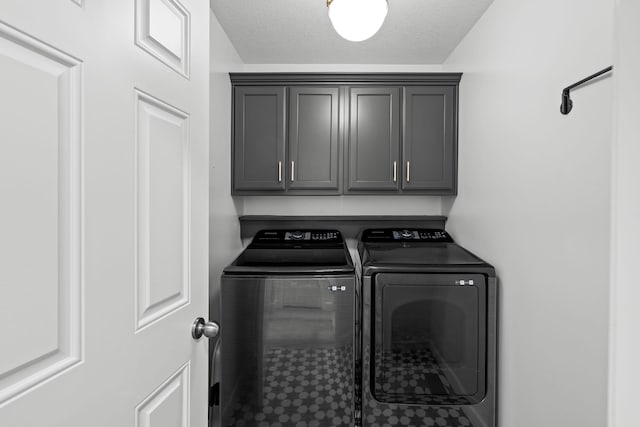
[(253, 257), (292, 261), (414, 254), (294, 252)]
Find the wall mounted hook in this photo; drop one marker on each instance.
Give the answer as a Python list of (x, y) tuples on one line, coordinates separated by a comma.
[(567, 103)]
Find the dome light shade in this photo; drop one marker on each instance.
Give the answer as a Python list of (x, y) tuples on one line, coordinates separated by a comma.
[(357, 20)]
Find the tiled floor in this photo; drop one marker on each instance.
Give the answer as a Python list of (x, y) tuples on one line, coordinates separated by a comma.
[(406, 372), (410, 375), (421, 416), (313, 388), (301, 388)]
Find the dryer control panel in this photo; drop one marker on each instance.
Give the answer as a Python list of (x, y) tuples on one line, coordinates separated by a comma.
[(414, 235)]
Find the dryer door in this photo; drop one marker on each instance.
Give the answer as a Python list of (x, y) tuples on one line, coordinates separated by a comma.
[(429, 338)]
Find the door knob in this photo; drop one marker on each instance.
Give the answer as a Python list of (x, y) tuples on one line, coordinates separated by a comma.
[(201, 327)]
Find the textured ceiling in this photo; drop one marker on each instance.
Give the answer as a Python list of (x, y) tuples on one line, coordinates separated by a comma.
[(299, 31)]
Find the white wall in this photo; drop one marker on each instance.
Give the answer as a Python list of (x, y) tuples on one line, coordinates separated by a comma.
[(224, 228), (342, 205), (341, 68), (534, 199), (625, 293)]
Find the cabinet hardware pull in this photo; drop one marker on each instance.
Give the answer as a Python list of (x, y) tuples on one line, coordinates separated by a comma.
[(280, 171), (293, 171), (395, 170), (408, 171)]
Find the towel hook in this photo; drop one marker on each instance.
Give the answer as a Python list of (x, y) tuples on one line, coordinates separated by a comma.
[(567, 103)]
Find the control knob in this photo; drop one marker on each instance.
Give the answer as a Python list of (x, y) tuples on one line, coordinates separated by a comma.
[(406, 233), (297, 235)]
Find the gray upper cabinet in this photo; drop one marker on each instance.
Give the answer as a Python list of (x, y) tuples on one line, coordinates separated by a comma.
[(313, 161), (374, 136), (259, 138), (344, 133), (429, 139)]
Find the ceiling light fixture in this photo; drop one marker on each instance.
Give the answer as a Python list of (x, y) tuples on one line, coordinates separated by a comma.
[(357, 20)]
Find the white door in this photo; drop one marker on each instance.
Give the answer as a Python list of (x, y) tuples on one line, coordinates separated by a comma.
[(103, 212)]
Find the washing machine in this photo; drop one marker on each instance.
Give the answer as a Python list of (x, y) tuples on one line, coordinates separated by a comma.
[(429, 331), (288, 342)]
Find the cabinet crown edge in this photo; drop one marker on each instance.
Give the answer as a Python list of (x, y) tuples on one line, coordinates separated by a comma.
[(346, 78)]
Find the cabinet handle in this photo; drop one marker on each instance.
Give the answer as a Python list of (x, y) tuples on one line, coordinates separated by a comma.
[(280, 171), (293, 171), (395, 171), (408, 171)]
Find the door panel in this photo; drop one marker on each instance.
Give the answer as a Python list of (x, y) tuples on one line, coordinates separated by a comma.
[(259, 138), (429, 140), (167, 405), (313, 138), (374, 136), (104, 173), (162, 29), (162, 192), (40, 230)]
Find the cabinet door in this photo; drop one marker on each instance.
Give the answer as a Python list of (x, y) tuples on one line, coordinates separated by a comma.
[(374, 136), (259, 138), (429, 139), (313, 138)]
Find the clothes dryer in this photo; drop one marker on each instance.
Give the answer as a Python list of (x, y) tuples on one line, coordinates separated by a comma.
[(429, 331)]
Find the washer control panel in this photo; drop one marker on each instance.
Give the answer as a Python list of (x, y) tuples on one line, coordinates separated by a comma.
[(293, 236), (405, 234), (314, 235)]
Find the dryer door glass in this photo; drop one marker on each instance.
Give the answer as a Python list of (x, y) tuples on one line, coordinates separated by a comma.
[(429, 338)]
